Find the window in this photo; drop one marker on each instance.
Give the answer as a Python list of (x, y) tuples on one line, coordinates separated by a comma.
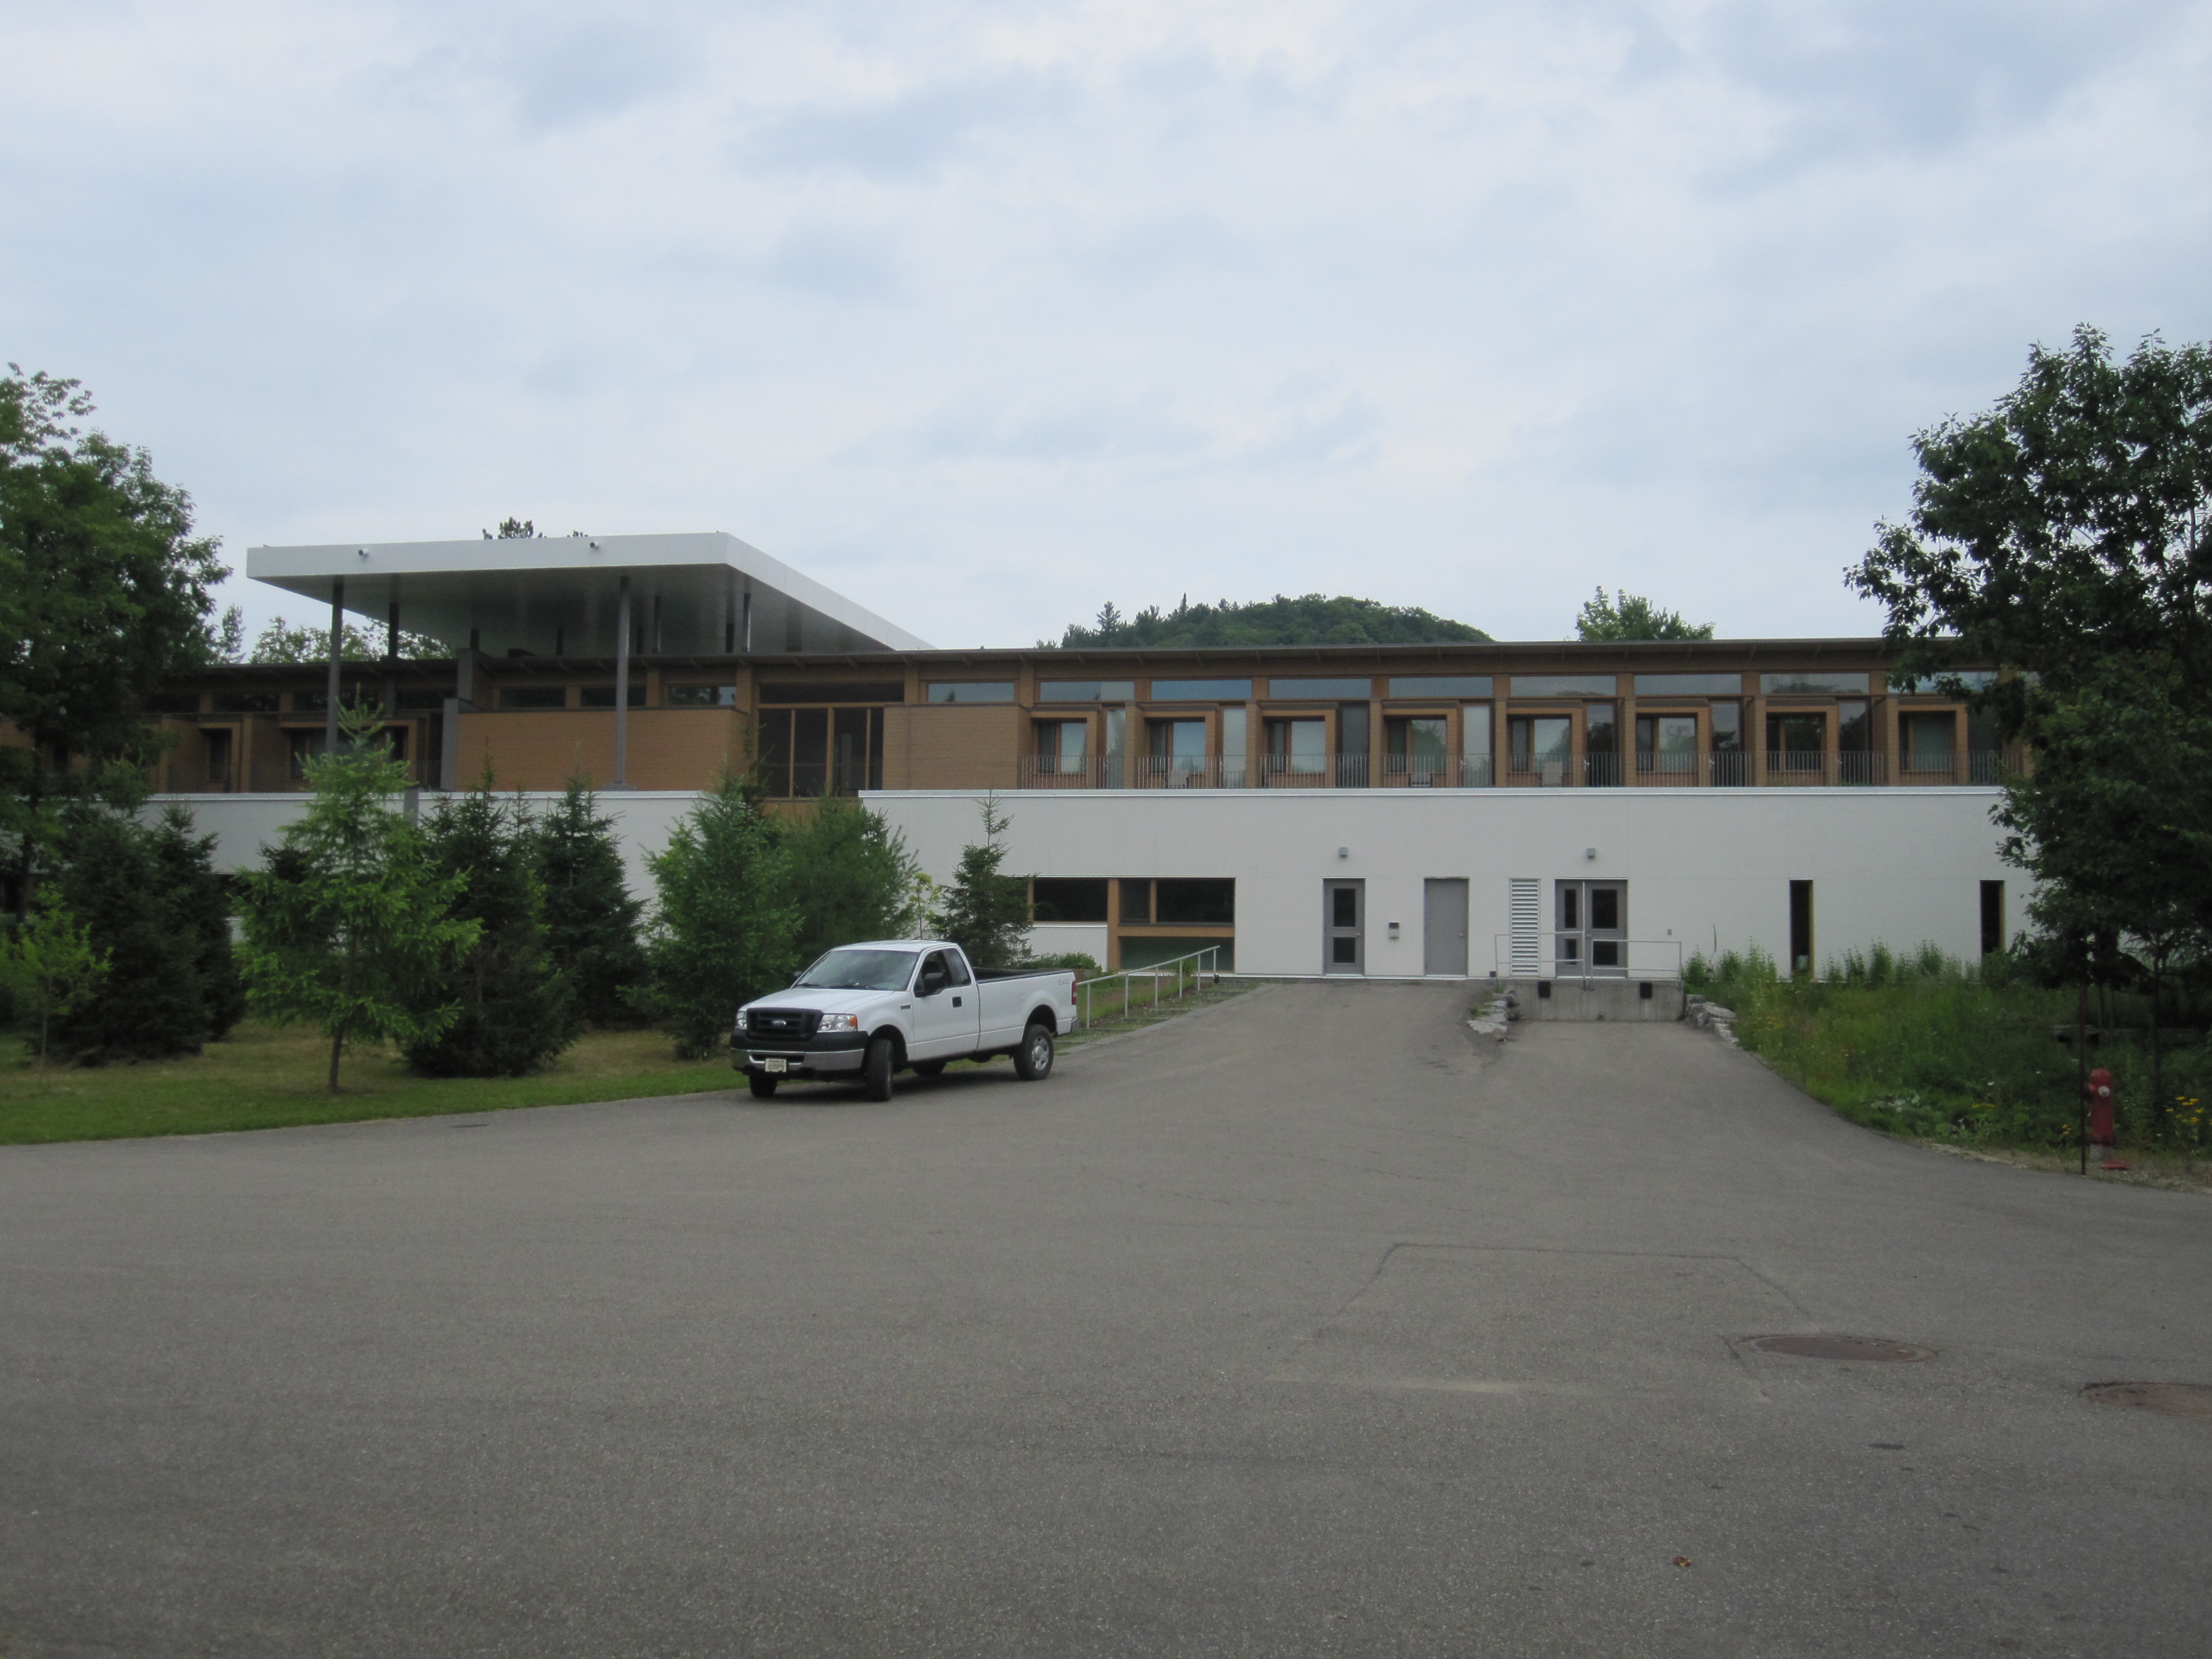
[(174, 702), (1416, 746), (969, 691), (1068, 898), (701, 696), (1970, 679), (1667, 747), (1204, 901), (1565, 685), (1689, 685), (835, 691), (1731, 764), (314, 703), (217, 746), (602, 696), (1924, 742), (1362, 687), (540, 696), (1059, 747), (1601, 742), (301, 745), (1177, 752), (246, 702), (1796, 742), (1086, 691), (1442, 685), (1136, 900), (1993, 930), (1807, 682), (805, 751), (1541, 745), (1201, 690), (1298, 747), (423, 697)]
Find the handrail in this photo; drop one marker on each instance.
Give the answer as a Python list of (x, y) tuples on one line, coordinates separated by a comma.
[(1501, 950), (1156, 973)]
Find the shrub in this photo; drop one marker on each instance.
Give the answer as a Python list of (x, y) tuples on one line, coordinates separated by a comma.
[(515, 1012), (591, 919), (150, 899), (723, 929)]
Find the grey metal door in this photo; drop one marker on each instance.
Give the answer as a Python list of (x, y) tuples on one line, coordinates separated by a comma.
[(1444, 926), (1344, 916)]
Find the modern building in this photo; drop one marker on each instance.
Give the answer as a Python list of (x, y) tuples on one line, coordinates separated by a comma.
[(1537, 810)]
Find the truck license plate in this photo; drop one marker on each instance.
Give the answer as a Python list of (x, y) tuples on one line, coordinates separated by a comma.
[(776, 1065)]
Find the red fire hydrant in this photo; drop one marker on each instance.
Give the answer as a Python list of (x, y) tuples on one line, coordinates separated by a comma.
[(2097, 1095)]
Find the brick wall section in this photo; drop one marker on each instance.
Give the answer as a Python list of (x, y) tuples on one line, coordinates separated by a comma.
[(535, 749), (944, 746)]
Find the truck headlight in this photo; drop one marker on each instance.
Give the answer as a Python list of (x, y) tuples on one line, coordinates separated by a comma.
[(839, 1022), (740, 1025)]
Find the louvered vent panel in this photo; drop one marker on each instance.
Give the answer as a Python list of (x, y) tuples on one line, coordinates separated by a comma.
[(1524, 912)]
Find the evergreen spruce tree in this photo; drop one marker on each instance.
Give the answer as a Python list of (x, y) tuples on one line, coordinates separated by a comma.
[(347, 923), (849, 876), (151, 901), (591, 919), (723, 930), (984, 912), (516, 1011)]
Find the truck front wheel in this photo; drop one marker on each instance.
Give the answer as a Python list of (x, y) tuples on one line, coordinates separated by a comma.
[(1033, 1060), (763, 1086), (875, 1068)]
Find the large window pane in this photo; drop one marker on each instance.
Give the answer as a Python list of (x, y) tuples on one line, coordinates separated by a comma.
[(1062, 898), (775, 750), (810, 752), (1197, 900), (849, 754)]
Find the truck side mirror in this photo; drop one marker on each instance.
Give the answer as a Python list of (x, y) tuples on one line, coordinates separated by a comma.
[(932, 981)]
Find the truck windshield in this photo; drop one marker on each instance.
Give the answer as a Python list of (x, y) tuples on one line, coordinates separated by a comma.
[(860, 970)]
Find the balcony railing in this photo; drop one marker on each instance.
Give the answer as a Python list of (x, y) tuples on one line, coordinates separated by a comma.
[(1721, 768)]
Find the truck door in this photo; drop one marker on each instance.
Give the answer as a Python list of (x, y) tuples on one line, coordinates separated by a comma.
[(945, 1014)]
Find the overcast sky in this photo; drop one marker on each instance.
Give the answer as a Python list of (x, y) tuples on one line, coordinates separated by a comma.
[(986, 313)]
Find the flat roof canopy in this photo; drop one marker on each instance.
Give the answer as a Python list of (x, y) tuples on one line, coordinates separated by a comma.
[(701, 595)]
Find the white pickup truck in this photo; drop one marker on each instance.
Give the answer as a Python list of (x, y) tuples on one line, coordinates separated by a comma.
[(871, 1010)]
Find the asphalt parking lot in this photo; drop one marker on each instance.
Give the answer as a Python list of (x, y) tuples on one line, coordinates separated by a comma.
[(1305, 1326)]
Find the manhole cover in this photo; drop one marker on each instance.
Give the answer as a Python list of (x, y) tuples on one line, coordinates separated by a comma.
[(2174, 1398), (1865, 1349)]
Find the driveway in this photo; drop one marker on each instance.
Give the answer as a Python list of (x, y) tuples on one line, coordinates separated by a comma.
[(1305, 1326)]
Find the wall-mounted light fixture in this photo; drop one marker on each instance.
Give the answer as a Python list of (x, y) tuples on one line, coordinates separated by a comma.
[(1589, 851), (1344, 852), (1394, 929)]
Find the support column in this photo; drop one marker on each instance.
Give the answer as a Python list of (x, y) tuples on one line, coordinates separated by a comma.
[(622, 687), (392, 661), (338, 647)]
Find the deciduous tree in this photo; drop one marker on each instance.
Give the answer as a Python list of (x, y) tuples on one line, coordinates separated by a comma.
[(1626, 616), (103, 595)]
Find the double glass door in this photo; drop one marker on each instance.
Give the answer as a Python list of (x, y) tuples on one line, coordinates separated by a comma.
[(1591, 936)]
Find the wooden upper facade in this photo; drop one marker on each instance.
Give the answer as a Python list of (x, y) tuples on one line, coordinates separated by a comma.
[(1728, 712)]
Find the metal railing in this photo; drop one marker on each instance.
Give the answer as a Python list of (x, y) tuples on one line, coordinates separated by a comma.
[(1638, 958), (1196, 968), (1727, 769)]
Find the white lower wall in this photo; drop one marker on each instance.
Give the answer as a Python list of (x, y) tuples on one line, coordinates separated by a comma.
[(243, 824), (1060, 938), (1706, 868)]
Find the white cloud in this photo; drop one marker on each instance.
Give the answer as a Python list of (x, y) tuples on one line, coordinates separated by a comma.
[(1471, 307)]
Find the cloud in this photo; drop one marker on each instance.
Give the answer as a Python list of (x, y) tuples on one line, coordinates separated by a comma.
[(1109, 299)]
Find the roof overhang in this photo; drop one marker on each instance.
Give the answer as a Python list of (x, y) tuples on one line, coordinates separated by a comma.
[(699, 594)]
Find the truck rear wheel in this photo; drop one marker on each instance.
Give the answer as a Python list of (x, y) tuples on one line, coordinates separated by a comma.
[(762, 1085), (875, 1068), (1033, 1060)]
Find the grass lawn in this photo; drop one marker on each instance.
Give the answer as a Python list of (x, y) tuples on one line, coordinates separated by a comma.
[(262, 1077)]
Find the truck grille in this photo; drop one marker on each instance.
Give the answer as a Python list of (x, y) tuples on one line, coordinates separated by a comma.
[(782, 1023)]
